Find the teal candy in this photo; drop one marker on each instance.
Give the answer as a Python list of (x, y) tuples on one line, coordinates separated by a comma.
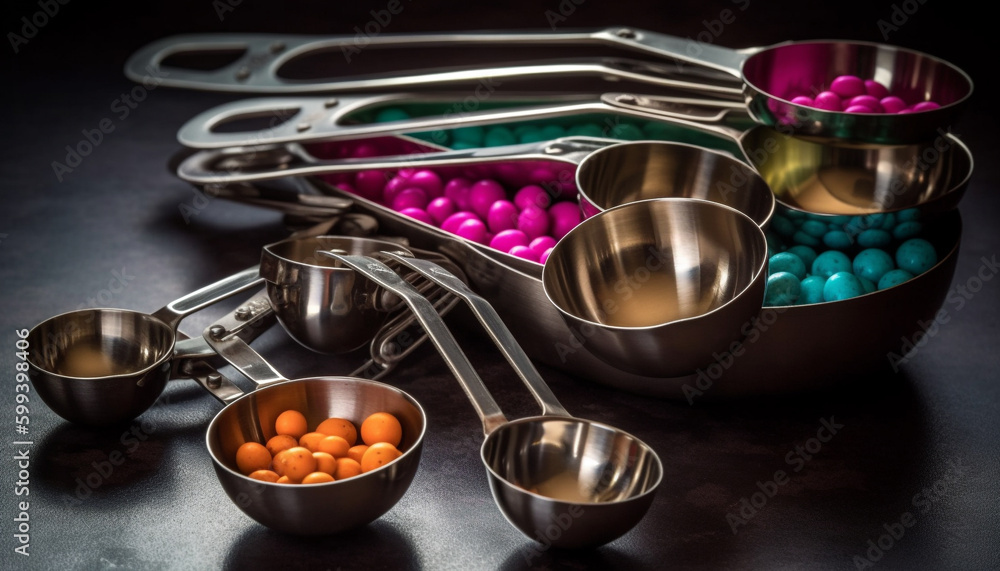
[(785, 262), (874, 239), (391, 114), (498, 136), (801, 237), (831, 262), (782, 288), (659, 131), (522, 129), (811, 290), (842, 285), (868, 285), (839, 220), (907, 230), (908, 215), (889, 222), (532, 136), (872, 264), (837, 239), (626, 132), (894, 278), (916, 256), (782, 226), (585, 130), (805, 253), (458, 146), (473, 135), (814, 228), (553, 132)]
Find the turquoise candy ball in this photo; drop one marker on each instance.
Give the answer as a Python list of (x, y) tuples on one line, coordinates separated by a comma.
[(782, 288), (461, 145), (811, 290), (916, 256), (814, 228), (872, 264), (585, 130), (831, 262), (868, 285), (837, 239), (874, 239), (800, 237), (472, 135), (659, 131), (785, 262), (391, 114), (626, 132), (805, 253), (782, 226), (498, 136), (842, 285), (531, 136), (894, 278), (908, 215), (889, 222), (907, 230), (553, 132)]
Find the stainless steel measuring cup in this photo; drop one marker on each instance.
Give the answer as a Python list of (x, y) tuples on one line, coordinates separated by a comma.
[(105, 366), (308, 509), (540, 468)]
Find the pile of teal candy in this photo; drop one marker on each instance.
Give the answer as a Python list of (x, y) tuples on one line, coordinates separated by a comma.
[(816, 259)]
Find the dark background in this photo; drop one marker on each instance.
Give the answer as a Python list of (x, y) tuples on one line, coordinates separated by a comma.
[(163, 508)]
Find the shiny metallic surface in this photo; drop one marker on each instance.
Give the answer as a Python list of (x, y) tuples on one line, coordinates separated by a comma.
[(656, 287), (628, 172), (593, 481), (322, 305), (775, 75), (316, 509), (839, 178)]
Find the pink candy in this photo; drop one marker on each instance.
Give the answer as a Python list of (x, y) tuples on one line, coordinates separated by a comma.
[(533, 221), (564, 216), (440, 209), (457, 190), (876, 89), (851, 94), (847, 86), (428, 181), (524, 252), (828, 101), (452, 223), (472, 229), (532, 195), (410, 198), (369, 184), (892, 104), (507, 239), (417, 213), (483, 194), (501, 216)]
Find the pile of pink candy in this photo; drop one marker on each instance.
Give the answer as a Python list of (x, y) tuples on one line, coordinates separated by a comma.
[(851, 94), (527, 226)]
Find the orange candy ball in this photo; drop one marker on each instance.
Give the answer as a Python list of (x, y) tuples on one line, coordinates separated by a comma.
[(252, 456), (334, 446), (381, 427), (281, 442), (317, 478), (296, 463), (325, 463), (292, 423), (378, 455), (264, 476), (357, 452), (339, 427), (347, 468)]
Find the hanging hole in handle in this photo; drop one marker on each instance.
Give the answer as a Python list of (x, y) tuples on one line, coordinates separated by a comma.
[(260, 121), (203, 59)]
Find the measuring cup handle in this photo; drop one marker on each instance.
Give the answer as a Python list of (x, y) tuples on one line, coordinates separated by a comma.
[(178, 309), (495, 326), (224, 337), (438, 332), (685, 51)]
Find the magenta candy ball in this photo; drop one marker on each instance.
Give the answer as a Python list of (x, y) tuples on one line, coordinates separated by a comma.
[(533, 221), (846, 86), (472, 229), (483, 194), (828, 101), (524, 252), (369, 184), (892, 104), (925, 106), (365, 151), (507, 239), (406, 172), (544, 256), (876, 89), (452, 223), (803, 100), (866, 100), (502, 216), (419, 214), (440, 209), (429, 181), (542, 243), (531, 195), (457, 190), (392, 188), (563, 217), (859, 109), (410, 198)]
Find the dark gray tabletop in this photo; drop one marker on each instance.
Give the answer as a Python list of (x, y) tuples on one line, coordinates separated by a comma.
[(915, 454)]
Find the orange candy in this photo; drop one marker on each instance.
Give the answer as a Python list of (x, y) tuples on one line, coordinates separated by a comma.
[(339, 427), (357, 452), (378, 455), (347, 468), (292, 423), (296, 463), (334, 446), (252, 456), (325, 463), (281, 442), (317, 478), (264, 476), (311, 439), (381, 427)]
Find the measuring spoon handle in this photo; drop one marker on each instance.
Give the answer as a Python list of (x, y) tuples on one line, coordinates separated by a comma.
[(173, 312), (495, 326), (436, 329)]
